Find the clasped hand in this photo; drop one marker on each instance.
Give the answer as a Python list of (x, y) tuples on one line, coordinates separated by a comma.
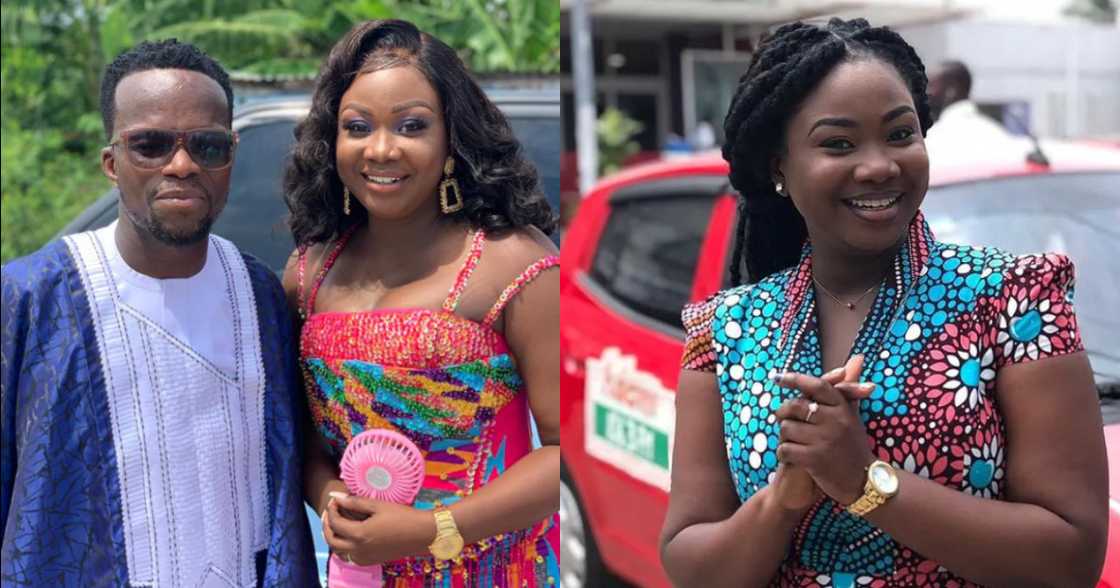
[(824, 446), (374, 532)]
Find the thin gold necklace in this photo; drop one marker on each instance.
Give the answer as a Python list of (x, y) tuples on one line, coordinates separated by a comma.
[(850, 305)]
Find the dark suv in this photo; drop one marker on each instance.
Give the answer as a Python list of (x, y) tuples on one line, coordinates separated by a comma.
[(254, 217)]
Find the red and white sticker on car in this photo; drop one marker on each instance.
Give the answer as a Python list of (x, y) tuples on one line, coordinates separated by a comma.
[(629, 418)]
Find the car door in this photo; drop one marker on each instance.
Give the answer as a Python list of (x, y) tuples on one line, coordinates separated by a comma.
[(659, 244)]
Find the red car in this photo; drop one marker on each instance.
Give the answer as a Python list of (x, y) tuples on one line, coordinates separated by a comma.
[(654, 237)]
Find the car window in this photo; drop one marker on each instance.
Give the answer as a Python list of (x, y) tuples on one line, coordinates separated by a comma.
[(539, 137), (255, 214), (108, 213), (647, 253), (1074, 214)]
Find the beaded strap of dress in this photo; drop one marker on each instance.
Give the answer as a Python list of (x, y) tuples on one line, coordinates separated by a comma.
[(301, 270), (456, 292), (449, 304), (518, 283)]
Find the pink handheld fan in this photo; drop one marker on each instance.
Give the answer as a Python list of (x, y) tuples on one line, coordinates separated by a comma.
[(382, 465)]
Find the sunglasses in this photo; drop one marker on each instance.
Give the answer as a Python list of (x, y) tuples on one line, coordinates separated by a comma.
[(211, 149)]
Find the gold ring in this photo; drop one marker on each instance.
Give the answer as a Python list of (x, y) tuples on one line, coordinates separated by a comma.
[(813, 407)]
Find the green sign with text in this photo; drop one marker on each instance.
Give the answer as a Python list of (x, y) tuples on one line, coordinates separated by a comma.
[(632, 436)]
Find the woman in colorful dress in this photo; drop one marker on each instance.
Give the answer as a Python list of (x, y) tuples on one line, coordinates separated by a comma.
[(421, 280), (874, 407)]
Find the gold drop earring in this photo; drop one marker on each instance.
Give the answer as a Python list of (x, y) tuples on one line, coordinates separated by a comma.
[(448, 205)]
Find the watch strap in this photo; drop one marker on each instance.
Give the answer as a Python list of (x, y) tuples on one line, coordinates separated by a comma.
[(873, 497), (445, 523), (870, 500), (448, 543)]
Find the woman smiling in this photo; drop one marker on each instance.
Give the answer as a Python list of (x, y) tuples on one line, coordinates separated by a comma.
[(874, 407), (426, 308)]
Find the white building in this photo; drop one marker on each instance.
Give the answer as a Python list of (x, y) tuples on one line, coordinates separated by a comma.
[(672, 64), (1063, 75)]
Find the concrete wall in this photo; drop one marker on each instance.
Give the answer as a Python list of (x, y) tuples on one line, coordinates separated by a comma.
[(1069, 73)]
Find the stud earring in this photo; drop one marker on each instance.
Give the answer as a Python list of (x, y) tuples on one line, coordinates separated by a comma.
[(449, 205), (345, 200), (780, 187)]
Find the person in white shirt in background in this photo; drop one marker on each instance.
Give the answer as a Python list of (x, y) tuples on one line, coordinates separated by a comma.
[(962, 134)]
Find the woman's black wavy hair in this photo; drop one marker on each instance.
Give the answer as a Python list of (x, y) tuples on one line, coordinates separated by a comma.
[(498, 184), (788, 65)]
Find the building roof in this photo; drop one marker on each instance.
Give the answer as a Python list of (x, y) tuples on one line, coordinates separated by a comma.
[(743, 12)]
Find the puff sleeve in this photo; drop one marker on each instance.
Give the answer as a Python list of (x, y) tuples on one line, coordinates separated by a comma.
[(699, 352), (1034, 312)]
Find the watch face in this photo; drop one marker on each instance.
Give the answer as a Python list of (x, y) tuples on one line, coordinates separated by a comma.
[(883, 478), (447, 547)]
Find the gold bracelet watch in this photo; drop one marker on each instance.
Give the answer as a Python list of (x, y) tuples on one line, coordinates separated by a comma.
[(448, 543), (881, 486)]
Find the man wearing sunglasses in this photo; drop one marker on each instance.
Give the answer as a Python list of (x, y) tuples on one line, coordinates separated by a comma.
[(149, 410)]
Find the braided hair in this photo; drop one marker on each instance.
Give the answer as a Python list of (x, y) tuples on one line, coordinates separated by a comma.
[(789, 64)]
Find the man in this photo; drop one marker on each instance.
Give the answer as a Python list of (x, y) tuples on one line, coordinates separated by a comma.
[(961, 134), (149, 400)]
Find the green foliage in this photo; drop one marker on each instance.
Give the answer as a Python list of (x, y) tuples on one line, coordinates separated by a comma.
[(244, 40), (493, 35), (616, 133), (116, 32), (51, 126), (275, 40), (44, 187)]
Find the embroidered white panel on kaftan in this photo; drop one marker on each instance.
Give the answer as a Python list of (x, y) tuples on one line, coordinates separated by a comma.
[(187, 413)]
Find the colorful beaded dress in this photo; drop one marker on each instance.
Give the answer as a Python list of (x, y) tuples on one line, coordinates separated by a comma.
[(448, 383), (944, 325)]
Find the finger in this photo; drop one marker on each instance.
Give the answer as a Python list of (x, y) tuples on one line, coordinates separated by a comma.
[(853, 368), (341, 547), (835, 376), (338, 545), (811, 387), (357, 504), (854, 391), (785, 469), (342, 527), (794, 431), (794, 408), (792, 454), (849, 372), (333, 540), (353, 516)]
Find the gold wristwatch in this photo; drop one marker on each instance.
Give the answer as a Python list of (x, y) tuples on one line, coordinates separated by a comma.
[(448, 543), (881, 486)]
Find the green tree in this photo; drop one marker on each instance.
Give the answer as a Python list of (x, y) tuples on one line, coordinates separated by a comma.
[(615, 132), (493, 35), (52, 60), (288, 38)]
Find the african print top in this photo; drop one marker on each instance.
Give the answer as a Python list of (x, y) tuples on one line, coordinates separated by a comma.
[(943, 325), (450, 385)]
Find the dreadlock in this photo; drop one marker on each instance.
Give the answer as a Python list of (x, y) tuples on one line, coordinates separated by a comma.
[(787, 67)]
